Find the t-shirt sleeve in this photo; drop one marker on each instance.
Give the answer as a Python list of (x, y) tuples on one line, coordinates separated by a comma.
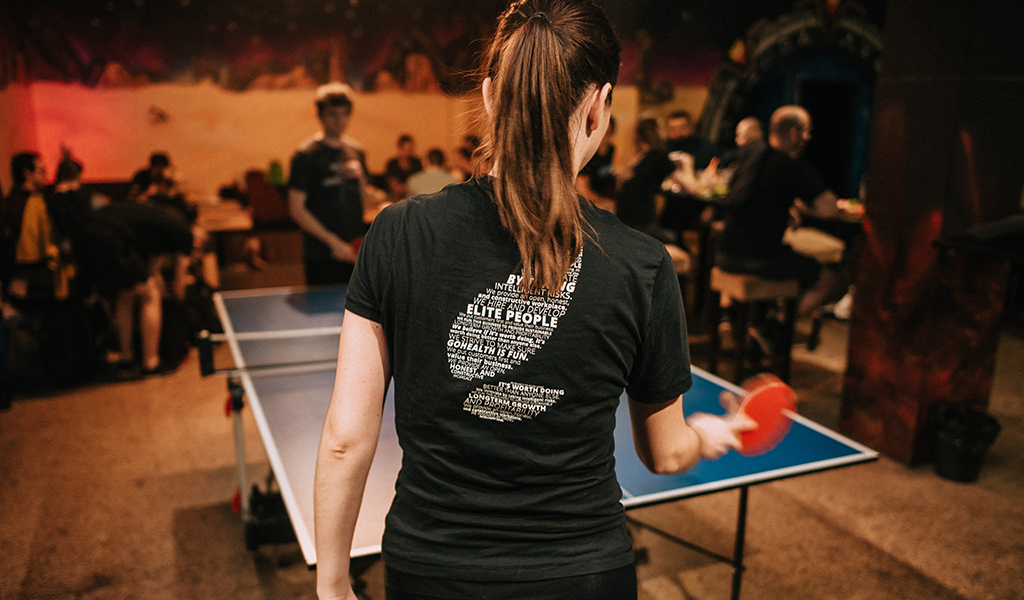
[(298, 172), (365, 294), (661, 370)]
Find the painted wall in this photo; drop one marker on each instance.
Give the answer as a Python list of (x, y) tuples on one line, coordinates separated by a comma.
[(17, 128), (214, 135)]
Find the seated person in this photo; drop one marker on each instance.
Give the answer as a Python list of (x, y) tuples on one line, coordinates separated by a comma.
[(682, 138), (155, 186), (768, 180), (635, 203), (432, 178), (462, 170), (717, 177), (401, 166), (688, 183)]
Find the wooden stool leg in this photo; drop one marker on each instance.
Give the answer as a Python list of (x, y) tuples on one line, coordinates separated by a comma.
[(815, 336), (739, 333), (716, 342), (786, 343)]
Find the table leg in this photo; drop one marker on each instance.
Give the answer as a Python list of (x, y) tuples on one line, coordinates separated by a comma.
[(737, 556), (237, 403)]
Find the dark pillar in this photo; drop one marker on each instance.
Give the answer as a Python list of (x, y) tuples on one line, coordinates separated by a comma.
[(947, 154)]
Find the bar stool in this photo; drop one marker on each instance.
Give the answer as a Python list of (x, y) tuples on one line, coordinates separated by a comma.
[(752, 292), (823, 247)]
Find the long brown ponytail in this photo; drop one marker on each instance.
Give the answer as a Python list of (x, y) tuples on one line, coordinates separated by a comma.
[(544, 58)]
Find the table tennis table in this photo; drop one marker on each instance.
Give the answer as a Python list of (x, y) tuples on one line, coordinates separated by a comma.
[(284, 345)]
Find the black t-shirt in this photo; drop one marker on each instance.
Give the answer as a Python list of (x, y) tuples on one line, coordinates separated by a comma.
[(505, 405), (317, 170), (756, 222), (150, 230), (634, 204), (113, 245)]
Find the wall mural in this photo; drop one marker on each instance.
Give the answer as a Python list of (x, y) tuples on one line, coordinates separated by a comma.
[(411, 45), (824, 56)]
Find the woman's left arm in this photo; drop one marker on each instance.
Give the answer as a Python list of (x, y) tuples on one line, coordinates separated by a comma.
[(347, 445)]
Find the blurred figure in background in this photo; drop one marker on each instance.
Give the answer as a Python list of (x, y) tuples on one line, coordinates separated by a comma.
[(33, 269), (636, 203), (433, 177), (681, 138), (769, 181), (325, 190), (399, 168), (157, 186), (597, 181)]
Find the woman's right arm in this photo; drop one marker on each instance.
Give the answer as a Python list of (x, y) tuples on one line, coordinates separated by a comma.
[(347, 445), (661, 437), (668, 443)]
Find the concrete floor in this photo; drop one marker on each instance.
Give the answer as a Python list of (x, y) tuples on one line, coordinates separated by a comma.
[(124, 491)]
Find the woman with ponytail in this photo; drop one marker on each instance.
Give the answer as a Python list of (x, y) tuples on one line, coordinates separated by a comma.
[(511, 314)]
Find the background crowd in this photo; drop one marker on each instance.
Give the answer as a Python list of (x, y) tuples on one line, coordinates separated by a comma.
[(117, 287)]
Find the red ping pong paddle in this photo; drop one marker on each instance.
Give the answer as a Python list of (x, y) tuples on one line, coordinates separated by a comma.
[(767, 400)]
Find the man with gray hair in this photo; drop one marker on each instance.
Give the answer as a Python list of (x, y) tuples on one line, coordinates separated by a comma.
[(748, 130), (768, 183)]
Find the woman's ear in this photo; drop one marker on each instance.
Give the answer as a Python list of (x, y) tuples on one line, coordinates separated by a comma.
[(486, 91), (598, 107)]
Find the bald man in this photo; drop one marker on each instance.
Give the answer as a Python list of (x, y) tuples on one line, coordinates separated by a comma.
[(770, 179), (748, 130)]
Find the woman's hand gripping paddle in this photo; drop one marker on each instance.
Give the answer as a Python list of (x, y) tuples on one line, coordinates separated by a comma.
[(768, 402)]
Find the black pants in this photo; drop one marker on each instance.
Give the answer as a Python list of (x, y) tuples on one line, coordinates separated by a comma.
[(617, 584)]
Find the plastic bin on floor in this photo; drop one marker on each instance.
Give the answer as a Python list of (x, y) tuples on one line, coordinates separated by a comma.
[(962, 438)]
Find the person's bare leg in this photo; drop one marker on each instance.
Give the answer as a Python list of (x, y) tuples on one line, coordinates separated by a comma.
[(816, 295), (726, 337), (150, 322), (124, 324)]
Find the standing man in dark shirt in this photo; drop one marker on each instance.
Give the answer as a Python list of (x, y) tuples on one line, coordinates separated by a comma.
[(325, 191), (769, 181)]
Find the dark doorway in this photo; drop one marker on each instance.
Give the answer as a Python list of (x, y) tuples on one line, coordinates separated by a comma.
[(833, 107)]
